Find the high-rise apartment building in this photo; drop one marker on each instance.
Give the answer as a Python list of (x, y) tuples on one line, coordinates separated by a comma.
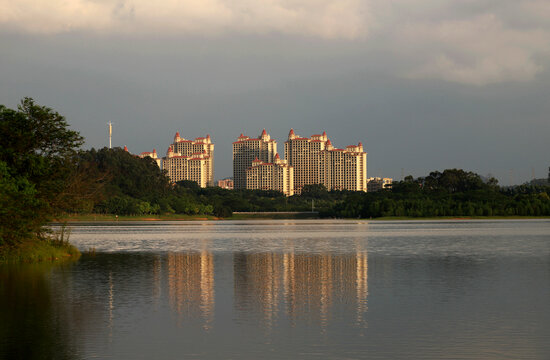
[(246, 150), (316, 161), (277, 176), (190, 160)]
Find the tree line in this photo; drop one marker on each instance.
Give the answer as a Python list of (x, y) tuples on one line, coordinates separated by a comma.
[(135, 186), (453, 192)]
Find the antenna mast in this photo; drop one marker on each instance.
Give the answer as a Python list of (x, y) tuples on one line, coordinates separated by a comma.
[(110, 133)]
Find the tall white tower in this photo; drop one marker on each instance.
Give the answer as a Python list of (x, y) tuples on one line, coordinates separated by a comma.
[(110, 133)]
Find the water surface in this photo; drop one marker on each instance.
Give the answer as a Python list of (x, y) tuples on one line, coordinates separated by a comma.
[(287, 289)]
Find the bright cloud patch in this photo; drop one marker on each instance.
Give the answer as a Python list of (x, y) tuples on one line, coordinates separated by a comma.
[(324, 18), (475, 42)]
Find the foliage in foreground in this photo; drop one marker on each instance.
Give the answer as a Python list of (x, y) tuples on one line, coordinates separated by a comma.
[(37, 154)]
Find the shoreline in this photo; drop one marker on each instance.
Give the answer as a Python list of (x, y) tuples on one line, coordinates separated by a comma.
[(38, 251), (269, 216)]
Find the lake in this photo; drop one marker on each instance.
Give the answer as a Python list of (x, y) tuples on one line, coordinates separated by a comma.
[(280, 289)]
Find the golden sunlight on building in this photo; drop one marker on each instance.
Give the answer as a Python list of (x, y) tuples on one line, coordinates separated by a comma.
[(245, 150), (190, 160), (316, 161), (278, 176)]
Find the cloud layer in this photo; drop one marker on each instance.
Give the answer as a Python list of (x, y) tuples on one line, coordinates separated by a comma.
[(325, 18), (475, 42)]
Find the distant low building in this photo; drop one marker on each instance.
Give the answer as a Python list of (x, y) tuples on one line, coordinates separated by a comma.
[(152, 155), (226, 183), (377, 183)]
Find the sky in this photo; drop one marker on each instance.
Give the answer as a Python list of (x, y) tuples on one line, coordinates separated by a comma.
[(424, 85)]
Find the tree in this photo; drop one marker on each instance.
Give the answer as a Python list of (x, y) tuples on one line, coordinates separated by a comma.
[(38, 153), (124, 174), (315, 191), (193, 186), (19, 207)]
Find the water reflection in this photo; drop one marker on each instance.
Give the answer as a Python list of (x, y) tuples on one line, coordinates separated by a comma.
[(191, 284), (32, 322), (298, 293), (303, 286)]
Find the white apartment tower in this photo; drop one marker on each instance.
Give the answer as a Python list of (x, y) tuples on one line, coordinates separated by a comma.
[(277, 176), (246, 150), (316, 161), (190, 160)]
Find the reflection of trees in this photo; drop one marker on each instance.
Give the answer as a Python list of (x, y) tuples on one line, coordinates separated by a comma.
[(191, 284), (33, 325), (306, 286)]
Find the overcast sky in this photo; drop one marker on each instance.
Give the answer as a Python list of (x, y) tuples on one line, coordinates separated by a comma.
[(425, 85)]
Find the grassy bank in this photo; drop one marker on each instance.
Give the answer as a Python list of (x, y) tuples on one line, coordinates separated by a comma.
[(180, 217), (274, 215), (461, 218), (268, 216), (109, 217), (38, 251)]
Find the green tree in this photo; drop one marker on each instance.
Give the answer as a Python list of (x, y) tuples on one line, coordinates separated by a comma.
[(315, 191), (38, 151), (19, 207)]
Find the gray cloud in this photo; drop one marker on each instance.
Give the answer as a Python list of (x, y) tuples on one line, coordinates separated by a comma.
[(424, 85), (472, 42), (475, 42)]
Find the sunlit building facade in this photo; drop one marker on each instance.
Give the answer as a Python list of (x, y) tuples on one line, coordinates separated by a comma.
[(278, 176), (190, 160), (246, 150), (316, 161)]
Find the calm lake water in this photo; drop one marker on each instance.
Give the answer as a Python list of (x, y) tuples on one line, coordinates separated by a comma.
[(286, 289)]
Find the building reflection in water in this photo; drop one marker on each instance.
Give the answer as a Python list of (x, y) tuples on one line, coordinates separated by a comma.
[(299, 287), (191, 285), (306, 286), (257, 283), (157, 276)]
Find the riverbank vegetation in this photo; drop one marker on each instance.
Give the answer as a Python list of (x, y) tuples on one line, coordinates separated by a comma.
[(451, 193), (37, 181)]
